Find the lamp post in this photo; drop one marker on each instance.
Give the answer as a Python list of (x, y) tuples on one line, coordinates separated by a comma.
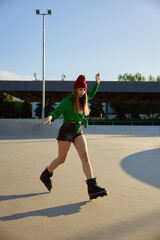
[(43, 60)]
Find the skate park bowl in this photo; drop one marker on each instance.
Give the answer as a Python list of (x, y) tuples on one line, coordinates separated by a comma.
[(144, 166), (125, 160)]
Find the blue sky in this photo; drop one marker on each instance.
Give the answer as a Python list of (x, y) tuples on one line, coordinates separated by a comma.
[(82, 37)]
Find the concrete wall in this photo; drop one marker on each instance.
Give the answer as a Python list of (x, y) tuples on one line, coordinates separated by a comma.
[(27, 128)]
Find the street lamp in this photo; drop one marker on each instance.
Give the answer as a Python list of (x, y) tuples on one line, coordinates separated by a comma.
[(43, 60)]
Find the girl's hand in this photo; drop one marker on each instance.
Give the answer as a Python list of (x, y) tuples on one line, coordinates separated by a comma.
[(47, 120), (98, 78)]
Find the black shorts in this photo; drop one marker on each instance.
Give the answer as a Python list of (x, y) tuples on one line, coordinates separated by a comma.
[(68, 132)]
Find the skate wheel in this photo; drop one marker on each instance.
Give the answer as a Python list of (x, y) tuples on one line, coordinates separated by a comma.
[(50, 190), (106, 194)]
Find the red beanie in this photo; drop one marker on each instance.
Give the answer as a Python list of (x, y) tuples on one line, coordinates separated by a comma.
[(80, 82)]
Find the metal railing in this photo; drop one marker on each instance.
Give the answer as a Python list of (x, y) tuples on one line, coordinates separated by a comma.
[(132, 123)]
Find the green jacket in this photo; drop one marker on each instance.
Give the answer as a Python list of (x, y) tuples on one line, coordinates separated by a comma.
[(66, 107)]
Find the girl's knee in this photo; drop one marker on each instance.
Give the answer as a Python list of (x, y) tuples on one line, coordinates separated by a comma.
[(61, 159)]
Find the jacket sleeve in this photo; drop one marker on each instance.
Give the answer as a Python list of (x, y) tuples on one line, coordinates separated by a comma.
[(93, 91), (56, 113)]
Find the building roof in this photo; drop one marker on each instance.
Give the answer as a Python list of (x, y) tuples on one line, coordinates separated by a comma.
[(109, 91)]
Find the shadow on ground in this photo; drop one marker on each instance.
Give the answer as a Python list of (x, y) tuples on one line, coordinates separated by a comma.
[(48, 212), (11, 197), (144, 166)]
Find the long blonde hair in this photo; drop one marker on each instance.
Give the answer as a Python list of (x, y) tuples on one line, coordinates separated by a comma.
[(80, 104)]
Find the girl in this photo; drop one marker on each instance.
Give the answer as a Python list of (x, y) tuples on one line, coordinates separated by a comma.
[(74, 107)]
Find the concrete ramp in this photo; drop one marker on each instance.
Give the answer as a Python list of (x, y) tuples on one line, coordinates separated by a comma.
[(27, 129)]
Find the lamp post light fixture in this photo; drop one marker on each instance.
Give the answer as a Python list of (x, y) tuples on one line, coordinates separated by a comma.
[(49, 12)]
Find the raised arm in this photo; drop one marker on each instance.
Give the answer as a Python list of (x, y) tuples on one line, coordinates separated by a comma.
[(97, 78), (94, 89)]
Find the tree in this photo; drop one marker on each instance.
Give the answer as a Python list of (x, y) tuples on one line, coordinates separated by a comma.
[(139, 77), (158, 79), (11, 108), (151, 78), (131, 78), (26, 110), (4, 100), (126, 77)]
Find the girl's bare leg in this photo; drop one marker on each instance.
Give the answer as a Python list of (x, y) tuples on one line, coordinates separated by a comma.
[(82, 149), (63, 149)]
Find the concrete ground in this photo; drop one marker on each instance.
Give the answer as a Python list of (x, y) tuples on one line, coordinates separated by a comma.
[(125, 160)]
